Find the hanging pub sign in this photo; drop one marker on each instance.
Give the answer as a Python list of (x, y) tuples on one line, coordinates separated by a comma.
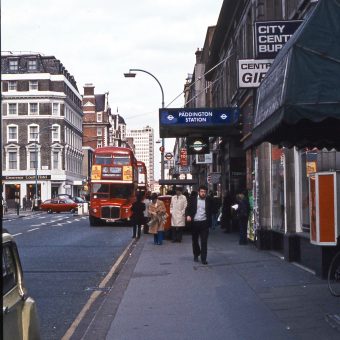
[(183, 157), (199, 121), (197, 145), (270, 36), (252, 71)]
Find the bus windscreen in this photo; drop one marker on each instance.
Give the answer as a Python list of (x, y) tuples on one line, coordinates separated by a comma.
[(104, 190)]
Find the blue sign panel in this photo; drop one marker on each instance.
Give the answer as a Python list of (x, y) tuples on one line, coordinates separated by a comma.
[(203, 121), (199, 117)]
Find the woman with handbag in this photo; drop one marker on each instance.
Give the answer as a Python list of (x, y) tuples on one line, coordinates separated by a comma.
[(158, 216)]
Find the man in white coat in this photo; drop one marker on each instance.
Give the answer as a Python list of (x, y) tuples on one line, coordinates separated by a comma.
[(177, 210)]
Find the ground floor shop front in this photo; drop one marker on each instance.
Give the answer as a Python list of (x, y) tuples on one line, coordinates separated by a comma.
[(286, 211), (22, 189)]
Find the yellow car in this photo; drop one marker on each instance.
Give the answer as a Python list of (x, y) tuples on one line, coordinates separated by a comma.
[(19, 313)]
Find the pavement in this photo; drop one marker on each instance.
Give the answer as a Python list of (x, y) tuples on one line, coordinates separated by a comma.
[(12, 214), (160, 293)]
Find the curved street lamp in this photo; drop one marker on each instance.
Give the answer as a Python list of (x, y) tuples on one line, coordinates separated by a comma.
[(132, 74)]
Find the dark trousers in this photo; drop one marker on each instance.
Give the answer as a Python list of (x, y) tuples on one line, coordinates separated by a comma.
[(136, 230), (177, 233), (200, 232), (243, 223)]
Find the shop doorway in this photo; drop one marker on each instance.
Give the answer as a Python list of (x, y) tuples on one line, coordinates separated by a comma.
[(12, 192)]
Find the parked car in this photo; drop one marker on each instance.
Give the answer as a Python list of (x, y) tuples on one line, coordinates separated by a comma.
[(59, 205), (78, 199), (19, 313)]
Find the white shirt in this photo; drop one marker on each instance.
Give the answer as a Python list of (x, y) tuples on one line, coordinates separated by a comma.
[(200, 212)]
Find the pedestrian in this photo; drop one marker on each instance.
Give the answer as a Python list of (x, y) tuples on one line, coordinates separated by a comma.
[(198, 212), (226, 219), (215, 209), (177, 209), (146, 212), (158, 218), (137, 218), (24, 203), (242, 214)]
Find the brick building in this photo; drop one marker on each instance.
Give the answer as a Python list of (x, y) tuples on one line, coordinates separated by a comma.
[(96, 121), (41, 128)]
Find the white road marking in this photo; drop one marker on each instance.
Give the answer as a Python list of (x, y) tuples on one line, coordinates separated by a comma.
[(95, 295), (32, 229), (17, 234)]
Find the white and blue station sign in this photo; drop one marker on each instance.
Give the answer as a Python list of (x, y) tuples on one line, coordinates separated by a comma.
[(206, 121)]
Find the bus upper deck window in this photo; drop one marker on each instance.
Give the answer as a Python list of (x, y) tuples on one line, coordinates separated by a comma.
[(121, 160), (103, 159)]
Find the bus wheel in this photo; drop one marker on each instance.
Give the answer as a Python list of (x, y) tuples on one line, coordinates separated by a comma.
[(49, 211)]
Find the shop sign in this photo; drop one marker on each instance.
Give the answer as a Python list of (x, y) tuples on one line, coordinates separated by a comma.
[(270, 36), (26, 177), (204, 159), (183, 157), (251, 71), (214, 178), (184, 169)]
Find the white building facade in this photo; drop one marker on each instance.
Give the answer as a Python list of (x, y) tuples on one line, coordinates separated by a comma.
[(41, 129), (143, 140)]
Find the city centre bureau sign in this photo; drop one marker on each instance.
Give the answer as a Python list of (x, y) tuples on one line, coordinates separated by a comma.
[(198, 121), (25, 177), (270, 36)]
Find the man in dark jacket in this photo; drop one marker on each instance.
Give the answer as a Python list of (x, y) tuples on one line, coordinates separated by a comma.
[(243, 211), (198, 213), (137, 218)]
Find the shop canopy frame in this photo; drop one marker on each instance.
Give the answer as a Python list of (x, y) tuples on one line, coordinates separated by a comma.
[(298, 102)]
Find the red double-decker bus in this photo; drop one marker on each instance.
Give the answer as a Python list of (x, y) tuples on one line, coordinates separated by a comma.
[(142, 186), (113, 187)]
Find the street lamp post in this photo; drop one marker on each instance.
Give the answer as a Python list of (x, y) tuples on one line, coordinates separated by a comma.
[(35, 202), (132, 74)]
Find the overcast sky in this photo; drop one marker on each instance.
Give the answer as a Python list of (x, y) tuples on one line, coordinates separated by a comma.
[(98, 41)]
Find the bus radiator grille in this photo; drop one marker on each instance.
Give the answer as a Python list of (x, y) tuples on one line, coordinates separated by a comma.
[(110, 212)]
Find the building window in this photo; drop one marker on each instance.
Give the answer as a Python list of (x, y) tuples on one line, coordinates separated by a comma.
[(55, 109), (55, 160), (12, 86), (99, 143), (33, 159), (13, 65), (13, 160), (12, 133), (32, 65), (99, 117), (55, 133), (12, 109), (33, 84), (99, 132), (33, 109), (33, 133)]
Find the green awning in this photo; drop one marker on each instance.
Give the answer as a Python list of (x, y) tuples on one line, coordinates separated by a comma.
[(298, 102)]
